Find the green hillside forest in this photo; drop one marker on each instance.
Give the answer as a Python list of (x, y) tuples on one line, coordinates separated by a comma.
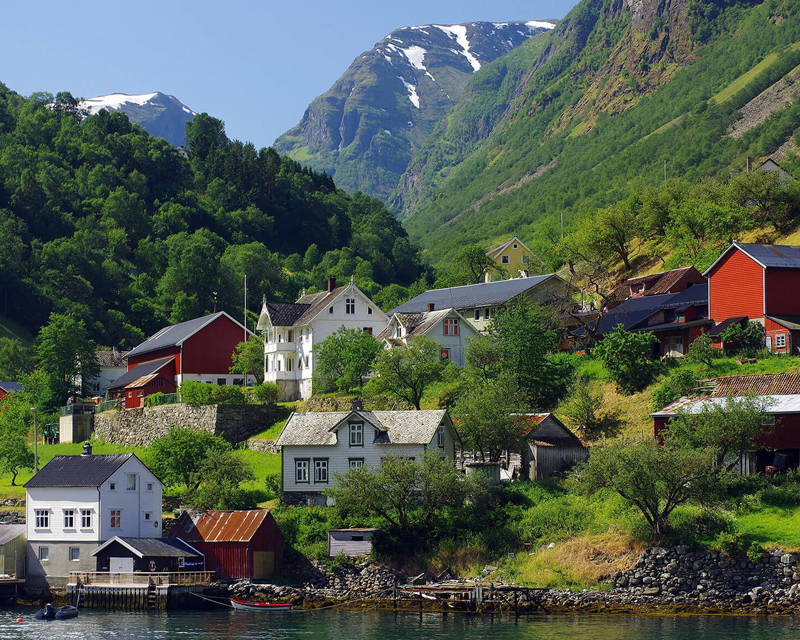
[(612, 101), (102, 221)]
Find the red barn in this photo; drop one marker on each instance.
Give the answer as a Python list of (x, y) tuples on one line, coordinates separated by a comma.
[(758, 282), (236, 544), (199, 349), (8, 387), (780, 445)]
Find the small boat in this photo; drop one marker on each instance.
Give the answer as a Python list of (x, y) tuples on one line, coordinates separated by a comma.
[(61, 613), (246, 605)]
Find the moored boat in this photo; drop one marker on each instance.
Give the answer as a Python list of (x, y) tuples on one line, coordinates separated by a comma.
[(61, 613), (247, 605)]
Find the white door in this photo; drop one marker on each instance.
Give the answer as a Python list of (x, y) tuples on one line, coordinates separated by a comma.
[(120, 565), (769, 343)]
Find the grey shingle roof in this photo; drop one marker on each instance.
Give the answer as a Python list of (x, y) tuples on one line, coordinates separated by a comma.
[(303, 311), (78, 471), (154, 547), (485, 294), (396, 427), (9, 532), (767, 255), (416, 324), (175, 334), (285, 315), (9, 386), (144, 369)]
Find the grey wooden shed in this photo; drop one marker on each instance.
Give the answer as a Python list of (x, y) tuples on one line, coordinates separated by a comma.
[(13, 550), (549, 447), (350, 542)]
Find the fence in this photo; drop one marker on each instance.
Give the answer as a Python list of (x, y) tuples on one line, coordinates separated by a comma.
[(162, 579), (106, 406), (77, 409)]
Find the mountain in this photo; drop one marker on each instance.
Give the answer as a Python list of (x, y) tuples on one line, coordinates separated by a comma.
[(161, 115), (600, 107), (365, 128)]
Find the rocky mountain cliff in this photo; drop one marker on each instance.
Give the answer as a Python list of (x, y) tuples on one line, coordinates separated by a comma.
[(365, 128), (588, 113), (161, 115)]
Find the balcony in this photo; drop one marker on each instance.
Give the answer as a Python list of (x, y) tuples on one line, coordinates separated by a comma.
[(280, 347)]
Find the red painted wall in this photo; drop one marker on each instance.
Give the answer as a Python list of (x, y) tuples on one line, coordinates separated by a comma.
[(783, 292), (773, 329), (210, 350), (736, 288), (164, 383), (785, 435)]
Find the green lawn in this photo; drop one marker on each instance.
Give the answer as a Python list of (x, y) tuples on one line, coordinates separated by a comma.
[(11, 329), (772, 527), (285, 409)]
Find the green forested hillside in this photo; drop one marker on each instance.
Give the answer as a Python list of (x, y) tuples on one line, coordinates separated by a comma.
[(592, 118), (102, 221)]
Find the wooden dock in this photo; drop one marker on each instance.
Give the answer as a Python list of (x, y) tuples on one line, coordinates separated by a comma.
[(475, 597), (136, 591)]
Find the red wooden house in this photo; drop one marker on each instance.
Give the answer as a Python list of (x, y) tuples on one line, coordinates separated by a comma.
[(757, 282), (199, 349), (655, 284), (236, 544), (8, 387), (780, 445)]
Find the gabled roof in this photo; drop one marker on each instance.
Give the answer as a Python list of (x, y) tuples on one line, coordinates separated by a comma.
[(9, 532), (555, 434), (719, 329), (219, 526), (305, 309), (770, 384), (140, 371), (176, 334), (777, 404), (485, 294), (790, 322), (284, 315), (665, 280), (153, 547), (111, 358), (418, 324), (9, 386), (782, 256), (395, 427), (502, 247), (79, 471)]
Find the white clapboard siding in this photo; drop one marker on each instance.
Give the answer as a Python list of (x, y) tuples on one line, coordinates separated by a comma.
[(343, 542)]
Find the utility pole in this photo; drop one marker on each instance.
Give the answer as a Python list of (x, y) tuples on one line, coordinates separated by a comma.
[(665, 171), (562, 225), (35, 444)]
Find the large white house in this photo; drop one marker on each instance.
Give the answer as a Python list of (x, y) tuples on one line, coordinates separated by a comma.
[(447, 326), (316, 446), (292, 330), (77, 502)]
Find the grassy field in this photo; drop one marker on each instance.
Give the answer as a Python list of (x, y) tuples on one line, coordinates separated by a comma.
[(743, 80), (11, 329), (272, 432)]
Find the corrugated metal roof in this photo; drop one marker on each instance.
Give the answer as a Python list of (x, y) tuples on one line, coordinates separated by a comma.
[(396, 427), (485, 294), (777, 404), (219, 526), (767, 255), (78, 471), (9, 532), (140, 371)]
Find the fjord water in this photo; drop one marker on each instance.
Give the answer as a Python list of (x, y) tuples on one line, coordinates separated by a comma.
[(347, 625)]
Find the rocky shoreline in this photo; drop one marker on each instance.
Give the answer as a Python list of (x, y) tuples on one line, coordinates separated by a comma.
[(663, 581)]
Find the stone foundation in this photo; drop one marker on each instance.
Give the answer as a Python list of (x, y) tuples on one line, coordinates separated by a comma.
[(139, 427), (263, 446)]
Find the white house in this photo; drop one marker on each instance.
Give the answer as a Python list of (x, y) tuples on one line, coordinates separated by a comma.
[(111, 365), (447, 326), (316, 446), (77, 502), (479, 302), (292, 330)]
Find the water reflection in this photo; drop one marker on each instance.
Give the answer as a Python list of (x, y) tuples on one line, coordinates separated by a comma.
[(342, 625)]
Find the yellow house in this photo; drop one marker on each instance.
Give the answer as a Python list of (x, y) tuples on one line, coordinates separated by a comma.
[(513, 260)]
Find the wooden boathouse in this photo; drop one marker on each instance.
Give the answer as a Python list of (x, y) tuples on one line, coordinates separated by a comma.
[(137, 590)]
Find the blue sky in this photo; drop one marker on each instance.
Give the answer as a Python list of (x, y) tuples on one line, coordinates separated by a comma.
[(254, 64)]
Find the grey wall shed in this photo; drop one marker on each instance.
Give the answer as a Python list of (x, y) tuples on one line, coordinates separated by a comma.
[(13, 549), (550, 447), (350, 542)]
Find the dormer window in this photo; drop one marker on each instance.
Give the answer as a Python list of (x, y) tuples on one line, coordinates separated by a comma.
[(356, 435), (349, 306)]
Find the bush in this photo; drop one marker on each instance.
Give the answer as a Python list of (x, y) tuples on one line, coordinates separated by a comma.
[(626, 356), (266, 392), (153, 400), (227, 394), (680, 383), (273, 485), (196, 394), (732, 544)]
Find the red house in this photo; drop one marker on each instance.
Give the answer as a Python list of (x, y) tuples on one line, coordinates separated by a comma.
[(780, 445), (656, 284), (757, 282), (199, 349), (8, 387), (236, 544)]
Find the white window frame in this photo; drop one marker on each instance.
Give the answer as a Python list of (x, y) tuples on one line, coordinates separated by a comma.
[(44, 554), (505, 259), (74, 554), (42, 518), (780, 341), (450, 327), (356, 435), (301, 470), (349, 306), (69, 518), (86, 518)]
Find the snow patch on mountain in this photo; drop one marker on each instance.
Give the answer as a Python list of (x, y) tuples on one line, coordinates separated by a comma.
[(412, 91), (539, 24), (459, 32), (416, 56), (114, 101)]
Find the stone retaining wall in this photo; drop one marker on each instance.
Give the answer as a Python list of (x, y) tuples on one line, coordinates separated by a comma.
[(264, 446), (139, 427)]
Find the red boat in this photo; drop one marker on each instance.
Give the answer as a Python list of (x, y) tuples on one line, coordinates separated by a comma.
[(246, 605)]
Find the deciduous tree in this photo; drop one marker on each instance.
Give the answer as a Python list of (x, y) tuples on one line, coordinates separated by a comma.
[(345, 358), (626, 355), (406, 371), (177, 457), (248, 357)]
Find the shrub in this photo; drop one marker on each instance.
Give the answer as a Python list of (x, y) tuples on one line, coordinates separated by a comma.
[(196, 394), (747, 340), (227, 395), (273, 485), (732, 544), (680, 383), (754, 552), (153, 400), (266, 392)]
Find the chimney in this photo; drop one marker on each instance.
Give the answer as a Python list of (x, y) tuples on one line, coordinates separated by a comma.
[(358, 404), (431, 306), (87, 449), (331, 283)]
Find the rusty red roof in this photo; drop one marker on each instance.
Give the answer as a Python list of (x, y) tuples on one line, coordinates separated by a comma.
[(768, 384), (219, 526)]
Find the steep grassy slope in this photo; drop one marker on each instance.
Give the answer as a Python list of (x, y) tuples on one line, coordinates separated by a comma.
[(616, 91)]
